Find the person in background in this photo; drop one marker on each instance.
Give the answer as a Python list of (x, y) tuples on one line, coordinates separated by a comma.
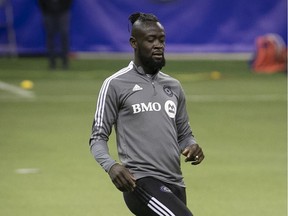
[(56, 14), (148, 110)]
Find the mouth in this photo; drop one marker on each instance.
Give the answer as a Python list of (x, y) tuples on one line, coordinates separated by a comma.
[(157, 54)]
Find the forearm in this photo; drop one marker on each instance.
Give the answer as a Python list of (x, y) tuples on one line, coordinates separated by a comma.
[(99, 150)]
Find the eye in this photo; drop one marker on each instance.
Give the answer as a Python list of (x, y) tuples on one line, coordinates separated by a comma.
[(150, 39)]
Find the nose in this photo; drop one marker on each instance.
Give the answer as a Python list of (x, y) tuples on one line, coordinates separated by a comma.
[(159, 44)]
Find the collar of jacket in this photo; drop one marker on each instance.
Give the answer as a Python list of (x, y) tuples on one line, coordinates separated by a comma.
[(140, 70)]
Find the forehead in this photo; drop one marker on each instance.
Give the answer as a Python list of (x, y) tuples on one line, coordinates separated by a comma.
[(152, 26), (148, 28)]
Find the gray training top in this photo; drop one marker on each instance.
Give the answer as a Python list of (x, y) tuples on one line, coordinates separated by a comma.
[(151, 124)]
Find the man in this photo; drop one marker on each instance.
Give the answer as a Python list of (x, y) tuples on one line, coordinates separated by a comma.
[(147, 108), (56, 19)]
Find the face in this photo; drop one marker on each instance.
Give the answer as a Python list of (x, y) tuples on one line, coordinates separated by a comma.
[(149, 46)]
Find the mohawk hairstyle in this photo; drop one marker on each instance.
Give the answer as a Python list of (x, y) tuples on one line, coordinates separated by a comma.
[(143, 17)]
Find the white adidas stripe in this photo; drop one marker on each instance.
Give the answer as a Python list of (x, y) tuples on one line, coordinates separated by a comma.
[(154, 204), (100, 107), (155, 210), (159, 208)]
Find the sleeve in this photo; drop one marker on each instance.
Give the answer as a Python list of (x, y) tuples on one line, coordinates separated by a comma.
[(185, 136), (105, 117)]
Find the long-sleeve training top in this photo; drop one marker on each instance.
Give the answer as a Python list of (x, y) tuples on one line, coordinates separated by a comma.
[(151, 124)]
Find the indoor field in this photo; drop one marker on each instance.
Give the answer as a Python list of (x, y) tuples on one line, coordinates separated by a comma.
[(238, 117)]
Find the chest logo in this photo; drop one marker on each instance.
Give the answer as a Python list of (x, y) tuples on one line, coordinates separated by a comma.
[(168, 91), (149, 107), (137, 88), (170, 108)]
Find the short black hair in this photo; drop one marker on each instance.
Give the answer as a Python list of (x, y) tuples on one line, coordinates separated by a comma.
[(142, 17)]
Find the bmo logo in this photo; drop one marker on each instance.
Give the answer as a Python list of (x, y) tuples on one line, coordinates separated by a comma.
[(170, 108), (149, 107)]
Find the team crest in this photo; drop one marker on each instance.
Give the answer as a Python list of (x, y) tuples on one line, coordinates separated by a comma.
[(170, 108), (168, 91), (165, 189)]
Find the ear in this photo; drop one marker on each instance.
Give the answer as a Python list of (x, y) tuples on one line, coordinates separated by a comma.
[(133, 42)]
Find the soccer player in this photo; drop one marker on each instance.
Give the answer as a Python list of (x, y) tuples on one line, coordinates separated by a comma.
[(147, 108)]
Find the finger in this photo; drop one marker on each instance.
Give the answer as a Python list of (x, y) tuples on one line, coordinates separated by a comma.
[(117, 184), (200, 159), (193, 154), (119, 180), (192, 158), (197, 154), (128, 181), (124, 184), (121, 185), (188, 151), (131, 182)]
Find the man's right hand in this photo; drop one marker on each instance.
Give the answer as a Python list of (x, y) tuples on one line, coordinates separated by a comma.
[(122, 178)]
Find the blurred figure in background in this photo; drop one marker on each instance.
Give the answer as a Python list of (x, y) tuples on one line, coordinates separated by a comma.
[(56, 14), (270, 56)]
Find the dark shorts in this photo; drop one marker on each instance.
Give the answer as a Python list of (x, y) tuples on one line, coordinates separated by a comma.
[(152, 197)]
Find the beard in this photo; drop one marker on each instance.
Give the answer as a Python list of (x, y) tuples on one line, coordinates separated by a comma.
[(154, 65)]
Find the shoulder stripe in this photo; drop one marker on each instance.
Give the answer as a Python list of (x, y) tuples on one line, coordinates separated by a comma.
[(100, 107)]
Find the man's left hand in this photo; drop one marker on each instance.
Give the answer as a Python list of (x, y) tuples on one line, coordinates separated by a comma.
[(194, 154)]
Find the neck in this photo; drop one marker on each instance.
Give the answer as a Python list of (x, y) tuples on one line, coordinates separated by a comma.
[(147, 70)]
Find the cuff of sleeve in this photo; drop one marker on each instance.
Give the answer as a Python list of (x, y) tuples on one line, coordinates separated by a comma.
[(187, 142)]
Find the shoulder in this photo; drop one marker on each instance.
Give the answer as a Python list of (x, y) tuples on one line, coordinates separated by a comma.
[(117, 76), (119, 81), (168, 77), (169, 80)]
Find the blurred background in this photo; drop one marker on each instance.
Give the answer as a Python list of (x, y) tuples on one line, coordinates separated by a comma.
[(192, 26)]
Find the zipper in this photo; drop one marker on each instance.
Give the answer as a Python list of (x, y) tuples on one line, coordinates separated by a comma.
[(153, 84)]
